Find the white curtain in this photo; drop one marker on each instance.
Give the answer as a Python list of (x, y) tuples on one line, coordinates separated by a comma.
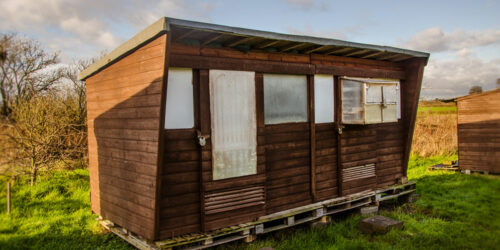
[(234, 126)]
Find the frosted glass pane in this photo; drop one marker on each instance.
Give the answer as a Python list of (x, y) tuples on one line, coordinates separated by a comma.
[(285, 98), (373, 113), (390, 93), (179, 107), (373, 94), (234, 126), (390, 113), (352, 102), (323, 98), (399, 101)]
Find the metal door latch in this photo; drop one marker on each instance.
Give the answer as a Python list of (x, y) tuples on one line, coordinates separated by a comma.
[(202, 139), (339, 129)]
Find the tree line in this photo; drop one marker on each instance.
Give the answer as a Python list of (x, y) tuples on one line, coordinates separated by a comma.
[(43, 109)]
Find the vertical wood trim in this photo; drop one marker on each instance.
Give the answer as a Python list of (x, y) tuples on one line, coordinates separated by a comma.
[(259, 102), (161, 142), (310, 89), (415, 68), (259, 110), (338, 121), (259, 105), (205, 129), (196, 98)]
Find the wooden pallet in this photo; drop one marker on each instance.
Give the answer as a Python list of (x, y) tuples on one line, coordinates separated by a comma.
[(319, 211), (471, 171), (431, 168)]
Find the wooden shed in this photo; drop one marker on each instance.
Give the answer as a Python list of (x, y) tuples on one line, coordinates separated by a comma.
[(478, 131), (194, 127)]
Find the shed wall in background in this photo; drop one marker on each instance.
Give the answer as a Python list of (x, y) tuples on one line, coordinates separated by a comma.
[(479, 132)]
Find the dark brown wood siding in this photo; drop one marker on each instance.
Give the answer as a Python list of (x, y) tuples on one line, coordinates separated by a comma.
[(326, 161), (479, 132), (287, 166), (180, 191), (284, 150), (390, 153), (123, 102)]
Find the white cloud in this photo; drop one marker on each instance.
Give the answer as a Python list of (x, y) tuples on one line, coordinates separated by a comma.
[(434, 39), (454, 77), (90, 25), (450, 76)]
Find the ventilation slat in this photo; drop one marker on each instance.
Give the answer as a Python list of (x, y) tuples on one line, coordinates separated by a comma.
[(358, 172), (218, 202)]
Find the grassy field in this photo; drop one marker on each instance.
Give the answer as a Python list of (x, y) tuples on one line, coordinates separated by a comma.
[(454, 211), (435, 129)]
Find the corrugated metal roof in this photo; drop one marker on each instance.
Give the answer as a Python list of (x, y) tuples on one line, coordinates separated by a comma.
[(226, 36)]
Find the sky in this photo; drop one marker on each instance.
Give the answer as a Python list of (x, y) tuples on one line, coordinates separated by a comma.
[(463, 37)]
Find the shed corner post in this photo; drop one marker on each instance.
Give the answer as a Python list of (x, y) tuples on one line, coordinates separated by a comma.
[(411, 95), (161, 141)]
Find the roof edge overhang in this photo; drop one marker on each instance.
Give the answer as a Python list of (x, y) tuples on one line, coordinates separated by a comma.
[(476, 95), (164, 25)]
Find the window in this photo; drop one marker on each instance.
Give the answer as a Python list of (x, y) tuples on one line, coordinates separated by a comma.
[(234, 123), (352, 103), (179, 111), (368, 101), (285, 98), (323, 98)]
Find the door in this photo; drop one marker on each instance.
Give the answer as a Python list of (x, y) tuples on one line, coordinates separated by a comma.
[(233, 189)]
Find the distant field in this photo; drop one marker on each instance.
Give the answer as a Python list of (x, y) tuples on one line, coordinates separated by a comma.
[(435, 129)]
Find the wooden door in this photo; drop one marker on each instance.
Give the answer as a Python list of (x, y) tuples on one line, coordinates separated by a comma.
[(233, 189)]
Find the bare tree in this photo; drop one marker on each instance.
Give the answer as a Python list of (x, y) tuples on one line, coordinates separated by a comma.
[(498, 83), (41, 132), (475, 90), (26, 69), (77, 87)]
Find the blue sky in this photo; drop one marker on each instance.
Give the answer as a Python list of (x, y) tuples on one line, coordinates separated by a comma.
[(463, 37)]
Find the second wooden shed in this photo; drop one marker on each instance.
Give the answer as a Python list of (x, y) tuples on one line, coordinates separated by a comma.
[(478, 131), (196, 127)]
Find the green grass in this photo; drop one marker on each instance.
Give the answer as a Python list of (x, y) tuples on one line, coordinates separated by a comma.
[(438, 109), (455, 211), (54, 214)]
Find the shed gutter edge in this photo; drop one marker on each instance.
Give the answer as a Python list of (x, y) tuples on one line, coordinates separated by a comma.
[(163, 25), (134, 42)]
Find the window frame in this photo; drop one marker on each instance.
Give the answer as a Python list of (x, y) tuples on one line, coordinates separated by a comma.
[(305, 106), (167, 99)]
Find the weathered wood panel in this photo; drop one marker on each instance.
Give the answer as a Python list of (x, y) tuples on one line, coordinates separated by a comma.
[(123, 116), (479, 132), (390, 152), (180, 191), (326, 161), (287, 166)]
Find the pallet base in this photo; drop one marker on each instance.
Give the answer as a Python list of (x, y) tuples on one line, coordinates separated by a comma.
[(472, 171), (320, 211)]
